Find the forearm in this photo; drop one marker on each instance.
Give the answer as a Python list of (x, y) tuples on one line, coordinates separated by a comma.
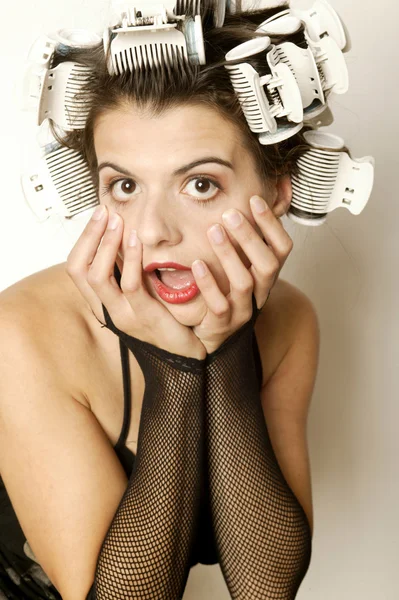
[(147, 549), (261, 530), (288, 438)]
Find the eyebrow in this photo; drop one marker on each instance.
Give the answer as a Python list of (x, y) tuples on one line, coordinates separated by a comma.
[(181, 171)]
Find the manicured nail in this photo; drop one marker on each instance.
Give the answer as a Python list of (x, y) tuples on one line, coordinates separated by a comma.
[(232, 218), (113, 222), (199, 268), (132, 241), (217, 234), (258, 204), (98, 213)]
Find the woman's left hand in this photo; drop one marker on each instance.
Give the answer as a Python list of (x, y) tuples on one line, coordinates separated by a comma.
[(227, 314)]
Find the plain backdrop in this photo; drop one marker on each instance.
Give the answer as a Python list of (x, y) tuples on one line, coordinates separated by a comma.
[(347, 267)]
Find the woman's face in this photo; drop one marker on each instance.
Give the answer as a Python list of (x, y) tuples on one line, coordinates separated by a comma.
[(143, 164)]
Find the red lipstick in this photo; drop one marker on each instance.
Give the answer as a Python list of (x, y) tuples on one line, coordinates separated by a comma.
[(166, 293), (172, 265)]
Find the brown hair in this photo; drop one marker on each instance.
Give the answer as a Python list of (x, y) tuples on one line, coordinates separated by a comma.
[(157, 89)]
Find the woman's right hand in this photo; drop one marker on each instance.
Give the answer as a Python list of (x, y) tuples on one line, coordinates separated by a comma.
[(131, 308)]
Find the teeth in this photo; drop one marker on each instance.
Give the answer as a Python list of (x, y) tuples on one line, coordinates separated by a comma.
[(167, 269)]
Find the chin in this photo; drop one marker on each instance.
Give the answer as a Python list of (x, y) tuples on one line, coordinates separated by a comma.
[(190, 314)]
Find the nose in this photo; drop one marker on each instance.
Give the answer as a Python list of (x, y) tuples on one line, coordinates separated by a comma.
[(155, 221)]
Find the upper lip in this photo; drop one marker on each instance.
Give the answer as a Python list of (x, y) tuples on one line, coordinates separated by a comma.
[(158, 265)]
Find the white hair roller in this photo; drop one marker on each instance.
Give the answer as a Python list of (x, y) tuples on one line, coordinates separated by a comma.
[(59, 183), (321, 21), (61, 99), (291, 90), (54, 92), (264, 107), (283, 23), (148, 36), (328, 179)]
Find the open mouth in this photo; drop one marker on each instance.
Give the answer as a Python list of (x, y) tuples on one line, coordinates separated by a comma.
[(177, 280), (178, 288)]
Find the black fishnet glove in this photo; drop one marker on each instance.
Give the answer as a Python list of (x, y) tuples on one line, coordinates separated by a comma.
[(261, 531), (146, 551)]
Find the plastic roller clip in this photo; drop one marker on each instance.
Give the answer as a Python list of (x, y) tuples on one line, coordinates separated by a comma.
[(321, 21), (266, 99), (326, 37), (329, 179), (52, 92), (59, 184), (303, 66), (331, 64), (61, 98), (283, 23), (149, 37), (39, 60)]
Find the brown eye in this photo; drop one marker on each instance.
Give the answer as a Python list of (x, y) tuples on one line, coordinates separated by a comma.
[(202, 185), (127, 187), (201, 188), (122, 189)]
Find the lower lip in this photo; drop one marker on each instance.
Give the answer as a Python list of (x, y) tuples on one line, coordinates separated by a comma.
[(173, 296)]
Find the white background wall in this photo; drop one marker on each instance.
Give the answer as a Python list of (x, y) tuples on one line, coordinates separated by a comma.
[(347, 267)]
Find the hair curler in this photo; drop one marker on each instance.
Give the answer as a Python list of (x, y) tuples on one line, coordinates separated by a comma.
[(61, 99), (283, 23), (321, 21), (59, 183), (263, 107), (326, 49), (303, 66), (39, 59), (328, 179), (276, 105), (54, 92), (149, 36)]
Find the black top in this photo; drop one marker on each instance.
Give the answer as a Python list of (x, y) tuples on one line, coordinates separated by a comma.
[(21, 576)]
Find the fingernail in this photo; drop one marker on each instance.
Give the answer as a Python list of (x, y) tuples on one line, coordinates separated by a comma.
[(132, 241), (232, 218), (98, 213), (113, 222), (199, 268), (217, 234), (259, 205)]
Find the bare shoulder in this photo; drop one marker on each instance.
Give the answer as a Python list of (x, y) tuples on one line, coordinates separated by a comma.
[(278, 324), (49, 312)]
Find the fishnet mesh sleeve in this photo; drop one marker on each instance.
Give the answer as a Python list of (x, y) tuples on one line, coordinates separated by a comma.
[(146, 551), (261, 531)]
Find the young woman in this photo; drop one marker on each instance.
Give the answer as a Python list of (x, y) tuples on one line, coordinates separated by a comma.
[(125, 468)]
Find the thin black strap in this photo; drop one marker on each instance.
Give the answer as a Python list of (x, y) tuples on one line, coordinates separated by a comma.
[(258, 361), (127, 401), (117, 274)]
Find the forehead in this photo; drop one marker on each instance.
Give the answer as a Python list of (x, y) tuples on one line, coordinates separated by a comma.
[(171, 136)]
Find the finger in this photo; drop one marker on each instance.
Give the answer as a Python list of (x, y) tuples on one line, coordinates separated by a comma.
[(102, 265), (241, 280), (132, 283), (272, 228), (81, 257), (215, 300), (265, 266), (82, 254), (100, 275)]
